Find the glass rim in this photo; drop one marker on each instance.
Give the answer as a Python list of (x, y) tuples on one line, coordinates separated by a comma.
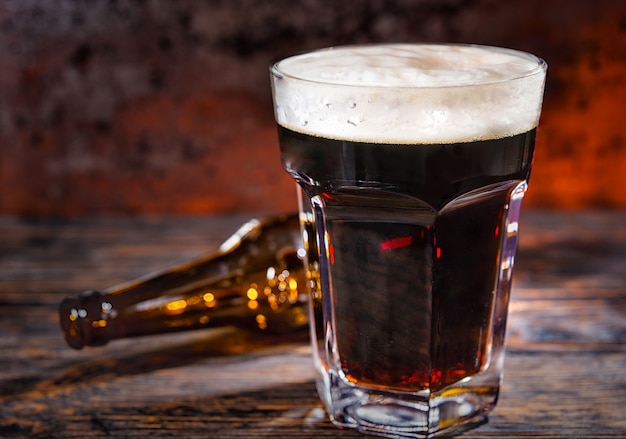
[(538, 67)]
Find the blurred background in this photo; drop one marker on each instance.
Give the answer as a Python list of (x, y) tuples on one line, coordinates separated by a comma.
[(163, 107)]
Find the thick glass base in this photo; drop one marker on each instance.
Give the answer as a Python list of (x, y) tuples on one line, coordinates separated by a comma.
[(407, 415)]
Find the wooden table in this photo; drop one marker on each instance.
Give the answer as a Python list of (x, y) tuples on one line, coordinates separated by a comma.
[(565, 367)]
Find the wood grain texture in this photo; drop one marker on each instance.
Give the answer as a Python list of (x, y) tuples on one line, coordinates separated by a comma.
[(565, 370)]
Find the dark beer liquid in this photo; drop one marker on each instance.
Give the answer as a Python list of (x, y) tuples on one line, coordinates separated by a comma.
[(414, 238)]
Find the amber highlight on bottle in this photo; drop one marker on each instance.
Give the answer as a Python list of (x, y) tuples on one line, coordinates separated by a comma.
[(256, 280)]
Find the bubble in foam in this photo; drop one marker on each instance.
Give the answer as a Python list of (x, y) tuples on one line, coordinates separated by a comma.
[(409, 93)]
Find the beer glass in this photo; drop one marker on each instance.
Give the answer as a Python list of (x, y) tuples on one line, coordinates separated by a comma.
[(412, 161)]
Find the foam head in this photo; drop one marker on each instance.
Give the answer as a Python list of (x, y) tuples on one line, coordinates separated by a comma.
[(409, 93)]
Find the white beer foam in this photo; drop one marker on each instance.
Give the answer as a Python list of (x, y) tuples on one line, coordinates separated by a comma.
[(409, 93)]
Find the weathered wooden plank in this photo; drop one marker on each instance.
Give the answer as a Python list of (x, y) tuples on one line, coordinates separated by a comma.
[(565, 366)]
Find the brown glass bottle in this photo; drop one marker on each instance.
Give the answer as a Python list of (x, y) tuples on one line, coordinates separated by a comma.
[(256, 280)]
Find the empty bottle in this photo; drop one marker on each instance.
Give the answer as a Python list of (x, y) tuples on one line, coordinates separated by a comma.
[(256, 280)]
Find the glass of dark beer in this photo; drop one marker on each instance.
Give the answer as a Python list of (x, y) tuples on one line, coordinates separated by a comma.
[(412, 161)]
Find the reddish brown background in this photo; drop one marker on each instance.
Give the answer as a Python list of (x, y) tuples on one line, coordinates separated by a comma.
[(159, 107)]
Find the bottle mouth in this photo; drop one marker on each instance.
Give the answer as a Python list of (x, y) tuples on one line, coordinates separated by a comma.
[(74, 319)]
